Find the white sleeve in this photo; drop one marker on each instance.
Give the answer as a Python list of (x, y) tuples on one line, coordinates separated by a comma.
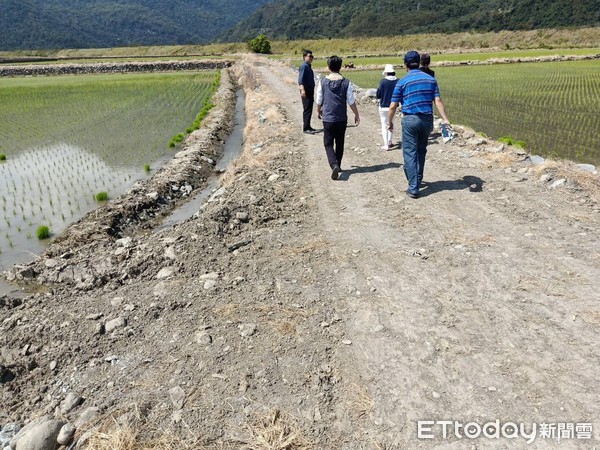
[(350, 95), (319, 99)]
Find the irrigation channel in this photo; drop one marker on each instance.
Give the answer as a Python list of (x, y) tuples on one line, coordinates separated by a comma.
[(26, 249), (231, 150)]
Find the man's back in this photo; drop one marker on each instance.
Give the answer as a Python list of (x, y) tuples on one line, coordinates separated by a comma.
[(334, 90), (416, 91)]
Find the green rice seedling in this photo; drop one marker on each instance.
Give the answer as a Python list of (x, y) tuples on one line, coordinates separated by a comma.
[(43, 232), (506, 140), (521, 144), (2, 157), (177, 139), (101, 196), (510, 141)]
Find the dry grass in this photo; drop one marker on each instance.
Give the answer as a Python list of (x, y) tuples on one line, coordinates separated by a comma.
[(502, 159), (138, 433), (230, 310), (555, 38), (588, 182), (469, 239), (453, 42), (290, 80), (227, 310), (112, 435), (285, 327), (276, 431), (308, 248), (128, 439), (591, 317), (358, 401), (404, 219)]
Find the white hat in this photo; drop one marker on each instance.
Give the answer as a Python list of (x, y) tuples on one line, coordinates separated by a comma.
[(389, 68)]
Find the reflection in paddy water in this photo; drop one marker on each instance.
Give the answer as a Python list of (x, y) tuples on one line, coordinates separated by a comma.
[(54, 186)]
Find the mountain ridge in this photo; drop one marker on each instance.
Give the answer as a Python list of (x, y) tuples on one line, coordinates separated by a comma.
[(52, 24), (302, 19)]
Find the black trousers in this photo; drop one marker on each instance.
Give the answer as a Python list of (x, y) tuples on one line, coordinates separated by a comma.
[(307, 102), (333, 138)]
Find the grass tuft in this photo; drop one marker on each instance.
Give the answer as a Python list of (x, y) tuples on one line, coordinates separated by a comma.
[(511, 141), (101, 196), (2, 156), (43, 232), (276, 431)]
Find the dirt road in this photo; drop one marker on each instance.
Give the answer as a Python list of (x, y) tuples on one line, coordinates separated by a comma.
[(296, 310)]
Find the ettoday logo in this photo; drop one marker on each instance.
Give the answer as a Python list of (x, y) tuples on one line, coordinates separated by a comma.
[(446, 429)]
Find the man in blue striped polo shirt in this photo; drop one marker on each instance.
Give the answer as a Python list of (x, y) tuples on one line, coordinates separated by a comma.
[(416, 92)]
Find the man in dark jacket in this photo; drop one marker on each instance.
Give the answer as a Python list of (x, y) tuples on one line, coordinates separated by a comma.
[(333, 93), (306, 81)]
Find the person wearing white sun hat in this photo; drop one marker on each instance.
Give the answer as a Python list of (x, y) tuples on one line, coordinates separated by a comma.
[(384, 95)]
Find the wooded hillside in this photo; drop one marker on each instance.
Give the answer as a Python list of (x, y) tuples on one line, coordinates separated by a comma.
[(49, 24), (313, 19), (55, 24)]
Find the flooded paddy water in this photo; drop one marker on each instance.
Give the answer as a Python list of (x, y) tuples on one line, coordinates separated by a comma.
[(67, 139)]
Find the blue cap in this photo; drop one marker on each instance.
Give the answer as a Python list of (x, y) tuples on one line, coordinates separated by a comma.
[(412, 58)]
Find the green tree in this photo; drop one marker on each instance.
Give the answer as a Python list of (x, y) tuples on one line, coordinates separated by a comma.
[(260, 44)]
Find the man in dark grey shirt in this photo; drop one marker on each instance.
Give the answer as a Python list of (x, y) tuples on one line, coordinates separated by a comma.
[(306, 81)]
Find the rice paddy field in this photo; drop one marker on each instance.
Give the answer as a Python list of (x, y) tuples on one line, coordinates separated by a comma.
[(551, 106), (320, 61), (65, 141)]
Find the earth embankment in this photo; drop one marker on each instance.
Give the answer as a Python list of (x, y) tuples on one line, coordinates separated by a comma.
[(109, 67)]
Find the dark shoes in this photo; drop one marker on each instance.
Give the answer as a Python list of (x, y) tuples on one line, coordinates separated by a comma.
[(310, 130), (335, 173), (412, 194)]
